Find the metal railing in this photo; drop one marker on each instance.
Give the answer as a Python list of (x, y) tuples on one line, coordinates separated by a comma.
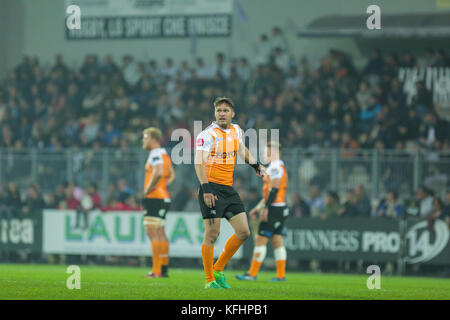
[(339, 170)]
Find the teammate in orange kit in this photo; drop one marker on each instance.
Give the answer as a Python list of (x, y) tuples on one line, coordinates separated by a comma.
[(273, 211), (217, 148), (159, 174)]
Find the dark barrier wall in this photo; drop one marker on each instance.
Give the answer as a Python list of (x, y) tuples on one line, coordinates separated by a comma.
[(18, 233), (381, 240), (368, 239)]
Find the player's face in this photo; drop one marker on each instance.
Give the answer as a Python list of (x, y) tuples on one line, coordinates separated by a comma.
[(146, 141), (224, 114)]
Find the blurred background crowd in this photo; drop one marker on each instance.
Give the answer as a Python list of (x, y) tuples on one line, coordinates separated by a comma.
[(103, 103)]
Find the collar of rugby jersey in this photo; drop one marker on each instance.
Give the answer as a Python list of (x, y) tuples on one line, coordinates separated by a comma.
[(214, 124)]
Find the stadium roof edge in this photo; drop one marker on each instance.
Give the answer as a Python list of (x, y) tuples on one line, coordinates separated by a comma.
[(424, 25)]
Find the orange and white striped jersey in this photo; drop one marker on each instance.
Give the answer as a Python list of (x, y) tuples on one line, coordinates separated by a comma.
[(158, 156), (222, 146), (276, 170)]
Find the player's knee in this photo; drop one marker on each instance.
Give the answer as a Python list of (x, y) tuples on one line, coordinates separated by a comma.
[(243, 234), (211, 236), (277, 242)]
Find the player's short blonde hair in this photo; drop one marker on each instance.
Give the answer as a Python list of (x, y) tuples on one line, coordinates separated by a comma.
[(226, 100), (153, 132)]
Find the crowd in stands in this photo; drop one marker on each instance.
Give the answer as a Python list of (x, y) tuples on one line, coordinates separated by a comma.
[(357, 203), (106, 103), (67, 195), (318, 204)]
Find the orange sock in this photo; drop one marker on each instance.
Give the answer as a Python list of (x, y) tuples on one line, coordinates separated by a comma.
[(156, 259), (281, 268), (232, 245), (208, 261), (164, 253), (155, 255), (254, 268)]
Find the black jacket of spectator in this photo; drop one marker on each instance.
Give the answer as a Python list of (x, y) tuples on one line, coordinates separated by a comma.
[(350, 210), (363, 206)]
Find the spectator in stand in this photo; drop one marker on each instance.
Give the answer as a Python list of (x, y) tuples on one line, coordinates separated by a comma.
[(51, 202), (221, 68), (433, 131), (170, 69), (263, 50), (446, 210), (70, 202), (442, 59), (133, 204), (436, 213), (202, 71), (331, 207), (389, 206), (349, 209), (95, 196), (422, 101), (363, 96), (315, 201), (425, 197), (59, 194), (130, 70), (124, 190), (34, 201), (299, 207), (362, 204), (374, 66), (369, 114), (13, 200), (112, 204), (278, 40), (4, 212)]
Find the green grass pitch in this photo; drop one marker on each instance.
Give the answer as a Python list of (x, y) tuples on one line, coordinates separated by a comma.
[(101, 283)]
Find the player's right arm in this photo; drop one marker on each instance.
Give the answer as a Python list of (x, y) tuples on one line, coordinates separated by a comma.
[(201, 157), (171, 176), (204, 144), (257, 208)]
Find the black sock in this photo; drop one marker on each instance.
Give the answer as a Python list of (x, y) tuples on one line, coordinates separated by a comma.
[(164, 269)]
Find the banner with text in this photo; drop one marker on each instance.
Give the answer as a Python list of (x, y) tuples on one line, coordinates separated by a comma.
[(21, 233), (134, 19), (367, 239), (123, 234), (436, 80)]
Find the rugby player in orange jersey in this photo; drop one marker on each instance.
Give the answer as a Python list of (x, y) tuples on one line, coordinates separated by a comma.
[(159, 174), (273, 211), (217, 148)]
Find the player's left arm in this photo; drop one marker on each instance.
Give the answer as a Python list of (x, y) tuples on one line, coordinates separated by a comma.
[(245, 153)]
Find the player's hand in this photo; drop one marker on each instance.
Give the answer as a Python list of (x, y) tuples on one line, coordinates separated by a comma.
[(143, 194), (261, 171), (210, 199), (264, 215), (253, 213)]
